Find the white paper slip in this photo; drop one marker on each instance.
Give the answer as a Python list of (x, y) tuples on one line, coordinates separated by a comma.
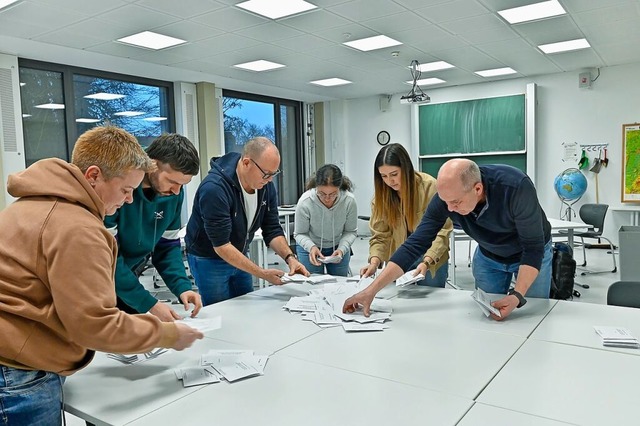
[(318, 279), (240, 369), (222, 356), (381, 305), (203, 324), (330, 259), (621, 344), (371, 326), (409, 278), (320, 317), (482, 299), (295, 278), (194, 376), (613, 333), (360, 318)]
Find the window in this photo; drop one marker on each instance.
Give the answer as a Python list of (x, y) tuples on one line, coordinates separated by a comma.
[(59, 103), (247, 116)]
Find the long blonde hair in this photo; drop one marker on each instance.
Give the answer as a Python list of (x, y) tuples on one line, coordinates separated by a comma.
[(388, 205)]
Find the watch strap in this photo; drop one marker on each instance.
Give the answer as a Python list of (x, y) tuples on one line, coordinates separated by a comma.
[(521, 300)]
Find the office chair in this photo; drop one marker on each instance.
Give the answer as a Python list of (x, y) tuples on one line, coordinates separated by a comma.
[(366, 219), (594, 215), (624, 293)]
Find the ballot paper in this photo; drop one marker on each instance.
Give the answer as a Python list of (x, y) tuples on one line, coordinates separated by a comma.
[(483, 301), (409, 278), (235, 365), (618, 337), (194, 376), (360, 318), (137, 358), (313, 279), (295, 278), (202, 324), (354, 326), (330, 259)]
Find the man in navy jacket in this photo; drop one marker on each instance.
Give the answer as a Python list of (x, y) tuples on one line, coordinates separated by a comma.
[(236, 199), (498, 207)]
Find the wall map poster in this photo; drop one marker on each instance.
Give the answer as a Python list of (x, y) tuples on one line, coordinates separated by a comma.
[(631, 163)]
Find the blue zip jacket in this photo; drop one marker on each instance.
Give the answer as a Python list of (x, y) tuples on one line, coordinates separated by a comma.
[(510, 227), (218, 215)]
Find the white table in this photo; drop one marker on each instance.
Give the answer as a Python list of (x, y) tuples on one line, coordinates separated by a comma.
[(633, 209), (568, 383), (287, 213), (572, 323), (487, 415)]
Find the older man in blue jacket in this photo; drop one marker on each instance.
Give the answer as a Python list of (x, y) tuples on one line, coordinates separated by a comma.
[(236, 199)]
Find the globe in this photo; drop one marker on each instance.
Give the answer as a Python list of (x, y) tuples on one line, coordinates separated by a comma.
[(570, 184)]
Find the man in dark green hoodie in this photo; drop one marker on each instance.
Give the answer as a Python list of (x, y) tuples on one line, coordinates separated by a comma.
[(149, 226)]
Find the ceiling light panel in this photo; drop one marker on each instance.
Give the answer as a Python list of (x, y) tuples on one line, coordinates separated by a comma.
[(496, 71), (87, 120), (276, 9), (50, 105), (129, 113), (532, 12), (328, 82), (151, 40), (5, 3), (373, 43), (104, 96), (565, 46), (259, 66), (434, 66), (427, 81)]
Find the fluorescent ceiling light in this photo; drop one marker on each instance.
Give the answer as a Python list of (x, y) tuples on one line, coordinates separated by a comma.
[(496, 71), (427, 81), (87, 120), (104, 96), (5, 3), (276, 9), (151, 40), (434, 66), (50, 105), (260, 65), (129, 113), (532, 12), (373, 43), (155, 118), (327, 82), (26, 115), (565, 46), (22, 84)]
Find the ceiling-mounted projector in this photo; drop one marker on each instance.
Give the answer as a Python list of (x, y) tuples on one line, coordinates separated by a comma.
[(416, 95), (422, 98)]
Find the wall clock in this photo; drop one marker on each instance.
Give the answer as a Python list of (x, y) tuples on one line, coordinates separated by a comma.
[(383, 137)]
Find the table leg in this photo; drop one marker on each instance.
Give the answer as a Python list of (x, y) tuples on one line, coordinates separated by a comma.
[(452, 260)]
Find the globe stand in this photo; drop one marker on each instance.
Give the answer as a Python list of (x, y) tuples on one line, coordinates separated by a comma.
[(569, 212)]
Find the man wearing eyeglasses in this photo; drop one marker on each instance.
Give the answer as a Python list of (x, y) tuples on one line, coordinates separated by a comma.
[(237, 198)]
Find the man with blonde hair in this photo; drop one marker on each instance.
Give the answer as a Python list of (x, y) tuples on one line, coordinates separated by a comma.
[(57, 296), (236, 198)]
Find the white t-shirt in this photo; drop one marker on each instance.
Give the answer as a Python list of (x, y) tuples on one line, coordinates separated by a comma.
[(250, 205)]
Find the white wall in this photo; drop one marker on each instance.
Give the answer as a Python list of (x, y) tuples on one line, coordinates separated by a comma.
[(565, 113)]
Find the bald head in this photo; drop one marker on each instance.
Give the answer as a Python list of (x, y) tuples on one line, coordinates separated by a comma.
[(459, 172), (259, 164), (459, 185)]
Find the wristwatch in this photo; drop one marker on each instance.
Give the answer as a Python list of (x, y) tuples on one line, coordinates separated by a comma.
[(521, 300), (286, 258)]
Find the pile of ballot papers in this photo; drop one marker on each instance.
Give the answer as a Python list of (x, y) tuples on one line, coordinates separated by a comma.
[(618, 337), (216, 365), (483, 301), (323, 306), (313, 279)]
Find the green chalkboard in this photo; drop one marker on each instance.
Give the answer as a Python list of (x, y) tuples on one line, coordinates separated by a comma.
[(432, 165), (474, 126)]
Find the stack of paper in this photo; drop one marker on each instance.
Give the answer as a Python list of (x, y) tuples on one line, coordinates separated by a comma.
[(230, 365), (618, 337), (313, 279), (136, 358), (483, 301), (409, 278), (330, 259)]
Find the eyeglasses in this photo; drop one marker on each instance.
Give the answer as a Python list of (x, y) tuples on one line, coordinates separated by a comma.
[(265, 175), (327, 196)]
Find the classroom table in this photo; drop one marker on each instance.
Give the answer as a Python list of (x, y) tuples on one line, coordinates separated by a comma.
[(633, 209), (287, 213), (439, 362)]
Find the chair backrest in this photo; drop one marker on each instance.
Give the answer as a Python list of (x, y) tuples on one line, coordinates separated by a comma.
[(624, 293), (594, 214)]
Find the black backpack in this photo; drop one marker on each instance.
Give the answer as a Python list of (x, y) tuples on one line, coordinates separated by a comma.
[(563, 272)]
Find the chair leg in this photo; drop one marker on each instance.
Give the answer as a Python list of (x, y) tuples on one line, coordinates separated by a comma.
[(584, 253), (613, 256)]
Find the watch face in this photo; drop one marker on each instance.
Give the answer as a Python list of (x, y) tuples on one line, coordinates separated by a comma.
[(383, 137)]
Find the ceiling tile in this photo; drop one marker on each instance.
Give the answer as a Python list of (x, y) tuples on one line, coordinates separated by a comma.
[(136, 18), (230, 19), (451, 11), (271, 32), (182, 8), (189, 31), (314, 21), (396, 22), (362, 10), (82, 6)]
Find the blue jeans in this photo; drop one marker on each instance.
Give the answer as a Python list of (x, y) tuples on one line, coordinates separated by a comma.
[(30, 397), (440, 278), (217, 280), (338, 269), (495, 277)]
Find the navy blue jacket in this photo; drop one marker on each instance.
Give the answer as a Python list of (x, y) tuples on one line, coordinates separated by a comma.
[(219, 217), (510, 227)]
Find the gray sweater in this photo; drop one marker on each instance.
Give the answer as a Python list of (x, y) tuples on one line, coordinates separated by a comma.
[(317, 225)]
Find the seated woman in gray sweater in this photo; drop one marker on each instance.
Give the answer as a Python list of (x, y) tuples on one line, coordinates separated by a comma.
[(326, 222)]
